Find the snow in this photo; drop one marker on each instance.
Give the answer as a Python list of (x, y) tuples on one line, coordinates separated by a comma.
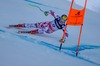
[(43, 50), (92, 4)]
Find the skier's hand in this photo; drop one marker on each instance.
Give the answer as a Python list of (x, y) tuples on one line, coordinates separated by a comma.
[(66, 34), (61, 40), (46, 13)]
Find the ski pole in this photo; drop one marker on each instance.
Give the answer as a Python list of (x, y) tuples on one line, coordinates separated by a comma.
[(45, 12), (63, 37), (36, 7)]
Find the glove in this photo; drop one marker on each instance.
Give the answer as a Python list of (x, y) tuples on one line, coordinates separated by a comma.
[(62, 40), (66, 34), (46, 13)]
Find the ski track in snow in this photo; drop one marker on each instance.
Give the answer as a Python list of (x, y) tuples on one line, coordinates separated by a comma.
[(65, 50), (43, 5)]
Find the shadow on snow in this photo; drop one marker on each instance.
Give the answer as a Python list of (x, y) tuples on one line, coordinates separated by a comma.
[(66, 50)]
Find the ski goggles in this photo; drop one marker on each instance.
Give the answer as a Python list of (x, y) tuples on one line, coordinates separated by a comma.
[(64, 18)]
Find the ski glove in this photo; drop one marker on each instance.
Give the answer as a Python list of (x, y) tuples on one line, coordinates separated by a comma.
[(46, 13), (62, 40), (66, 34)]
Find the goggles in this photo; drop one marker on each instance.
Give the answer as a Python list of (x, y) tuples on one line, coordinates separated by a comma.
[(64, 18)]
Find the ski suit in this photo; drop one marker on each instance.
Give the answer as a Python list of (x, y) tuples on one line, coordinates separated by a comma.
[(48, 27)]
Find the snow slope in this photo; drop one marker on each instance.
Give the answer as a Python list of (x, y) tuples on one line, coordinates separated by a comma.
[(92, 4), (42, 50)]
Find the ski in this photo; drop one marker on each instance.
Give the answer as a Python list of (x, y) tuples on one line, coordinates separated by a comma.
[(29, 32), (13, 26)]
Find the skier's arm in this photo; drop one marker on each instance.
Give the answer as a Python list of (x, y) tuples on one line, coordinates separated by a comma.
[(50, 12), (66, 36), (66, 33)]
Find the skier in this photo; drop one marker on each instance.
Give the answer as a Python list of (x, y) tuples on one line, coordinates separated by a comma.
[(47, 27)]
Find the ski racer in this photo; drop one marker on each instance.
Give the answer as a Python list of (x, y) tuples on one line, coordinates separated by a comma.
[(48, 27)]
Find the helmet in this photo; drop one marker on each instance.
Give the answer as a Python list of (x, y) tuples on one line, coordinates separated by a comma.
[(64, 17)]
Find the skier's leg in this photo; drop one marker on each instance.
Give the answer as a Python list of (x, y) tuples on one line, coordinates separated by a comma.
[(30, 32), (32, 25), (26, 25), (35, 25), (36, 31)]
